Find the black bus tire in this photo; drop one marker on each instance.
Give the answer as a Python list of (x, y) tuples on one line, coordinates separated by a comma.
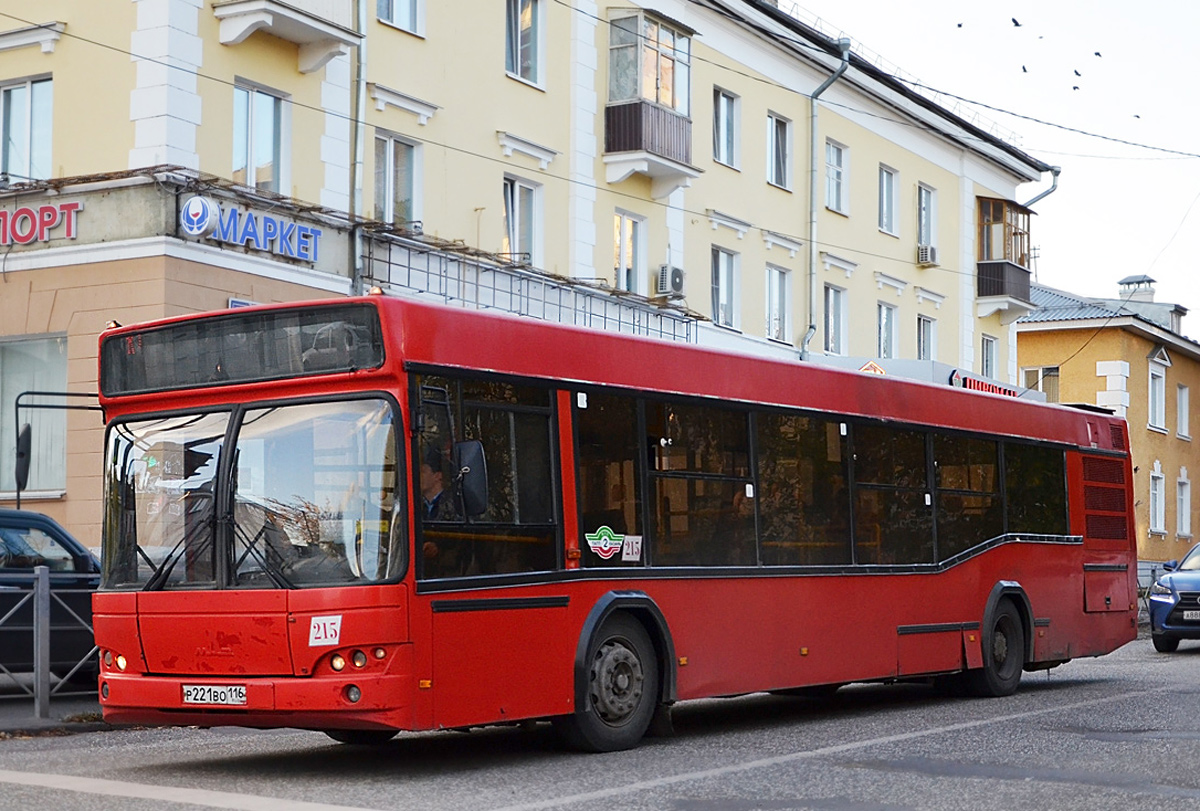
[(362, 737), (1003, 655), (622, 689)]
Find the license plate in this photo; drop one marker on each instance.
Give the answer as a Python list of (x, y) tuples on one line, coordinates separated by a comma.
[(1191, 615), (224, 694)]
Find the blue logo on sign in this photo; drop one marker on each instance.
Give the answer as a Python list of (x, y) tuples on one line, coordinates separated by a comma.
[(199, 217)]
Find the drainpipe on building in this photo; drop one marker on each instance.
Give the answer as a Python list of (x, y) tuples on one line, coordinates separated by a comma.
[(1055, 171), (357, 147), (844, 46)]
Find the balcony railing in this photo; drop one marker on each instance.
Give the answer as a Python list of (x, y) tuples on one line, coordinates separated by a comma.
[(640, 126), (1002, 278)]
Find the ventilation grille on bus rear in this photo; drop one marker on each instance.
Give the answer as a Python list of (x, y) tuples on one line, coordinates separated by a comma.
[(1104, 501), (1118, 436)]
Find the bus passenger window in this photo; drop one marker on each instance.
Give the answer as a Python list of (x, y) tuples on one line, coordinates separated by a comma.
[(1035, 483), (893, 516), (804, 505), (968, 499), (608, 481)]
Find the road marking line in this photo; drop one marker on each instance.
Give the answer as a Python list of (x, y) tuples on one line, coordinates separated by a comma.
[(705, 774), (175, 794)]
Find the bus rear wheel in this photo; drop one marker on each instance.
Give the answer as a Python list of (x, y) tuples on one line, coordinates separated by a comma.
[(362, 737), (1003, 655), (622, 689)]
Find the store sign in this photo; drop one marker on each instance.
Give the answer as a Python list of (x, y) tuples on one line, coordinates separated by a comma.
[(203, 217), (964, 381), (28, 224)]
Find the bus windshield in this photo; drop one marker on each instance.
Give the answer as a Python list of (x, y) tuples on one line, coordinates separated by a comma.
[(305, 499)]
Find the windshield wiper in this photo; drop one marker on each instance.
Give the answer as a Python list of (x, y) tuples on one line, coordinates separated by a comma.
[(273, 570)]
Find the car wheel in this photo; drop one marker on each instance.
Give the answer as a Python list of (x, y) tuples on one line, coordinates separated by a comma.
[(1003, 655), (622, 689), (362, 737), (1164, 643)]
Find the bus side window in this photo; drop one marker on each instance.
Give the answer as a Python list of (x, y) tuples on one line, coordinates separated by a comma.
[(893, 518), (609, 480)]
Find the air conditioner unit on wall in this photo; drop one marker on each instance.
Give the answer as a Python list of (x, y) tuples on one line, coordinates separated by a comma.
[(670, 281), (927, 255)]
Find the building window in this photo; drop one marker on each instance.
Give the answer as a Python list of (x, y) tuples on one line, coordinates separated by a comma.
[(725, 116), (723, 286), (521, 58), (521, 230), (925, 215), (1043, 379), (987, 356), (887, 200), (1158, 519), (257, 139), (779, 161), (1003, 231), (628, 252), (395, 181), (1158, 409), (835, 320), (926, 338), (400, 13), (1182, 420), (1183, 504), (886, 330), (778, 295), (35, 365), (26, 111), (649, 60), (836, 160)]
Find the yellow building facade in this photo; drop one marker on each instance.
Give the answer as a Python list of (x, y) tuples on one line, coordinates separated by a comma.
[(658, 169), (1127, 354)]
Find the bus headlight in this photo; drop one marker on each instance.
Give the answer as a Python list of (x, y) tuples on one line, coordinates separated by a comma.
[(337, 662), (121, 662)]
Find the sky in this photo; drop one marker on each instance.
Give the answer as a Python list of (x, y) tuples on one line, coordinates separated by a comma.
[(1116, 70)]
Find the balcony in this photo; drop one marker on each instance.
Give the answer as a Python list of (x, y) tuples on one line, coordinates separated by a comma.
[(321, 28), (645, 138), (1002, 287)]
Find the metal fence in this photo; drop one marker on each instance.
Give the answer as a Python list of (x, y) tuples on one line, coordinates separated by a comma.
[(33, 620)]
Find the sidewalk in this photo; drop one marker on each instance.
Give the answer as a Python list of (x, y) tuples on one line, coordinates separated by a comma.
[(71, 712)]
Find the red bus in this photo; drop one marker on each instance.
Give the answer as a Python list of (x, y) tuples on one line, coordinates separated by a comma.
[(369, 515)]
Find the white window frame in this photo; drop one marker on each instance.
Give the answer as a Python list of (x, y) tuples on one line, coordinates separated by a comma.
[(407, 15), (724, 287), (30, 364), (1035, 377), (988, 349), (245, 96), (629, 245), (926, 215), (926, 337), (1183, 505), (726, 135), (1182, 409), (515, 189), (26, 129), (387, 195), (885, 332), (1157, 396), (835, 320), (779, 311), (1158, 518), (675, 94), (779, 151), (517, 41), (837, 181), (888, 183)]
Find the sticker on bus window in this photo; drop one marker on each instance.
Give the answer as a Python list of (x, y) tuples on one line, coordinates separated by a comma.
[(606, 543), (631, 551), (325, 631)]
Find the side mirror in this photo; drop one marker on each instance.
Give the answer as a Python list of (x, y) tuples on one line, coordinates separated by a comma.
[(471, 467), (24, 440), (1170, 565)]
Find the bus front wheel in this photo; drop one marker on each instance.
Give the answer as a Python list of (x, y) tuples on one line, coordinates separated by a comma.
[(622, 689), (1003, 655)]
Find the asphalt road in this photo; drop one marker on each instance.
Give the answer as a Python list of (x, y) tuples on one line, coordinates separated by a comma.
[(1121, 732)]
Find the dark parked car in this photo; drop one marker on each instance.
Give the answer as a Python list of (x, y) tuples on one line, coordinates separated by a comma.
[(29, 539), (1175, 603)]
